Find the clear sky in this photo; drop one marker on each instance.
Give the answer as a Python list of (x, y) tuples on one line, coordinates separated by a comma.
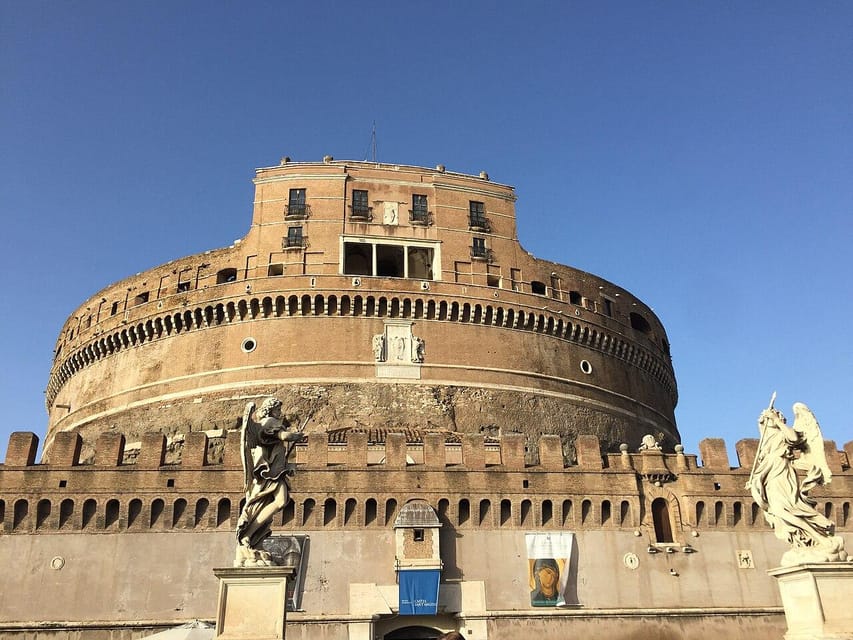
[(698, 154)]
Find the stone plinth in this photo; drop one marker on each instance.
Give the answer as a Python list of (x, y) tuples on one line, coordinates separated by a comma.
[(817, 600), (252, 602)]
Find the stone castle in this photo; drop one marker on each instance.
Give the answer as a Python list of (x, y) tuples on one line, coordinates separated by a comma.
[(459, 397)]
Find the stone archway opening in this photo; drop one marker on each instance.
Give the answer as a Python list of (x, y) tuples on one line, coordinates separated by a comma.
[(413, 633)]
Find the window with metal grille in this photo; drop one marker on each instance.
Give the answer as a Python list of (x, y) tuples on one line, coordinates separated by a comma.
[(420, 210), (360, 207)]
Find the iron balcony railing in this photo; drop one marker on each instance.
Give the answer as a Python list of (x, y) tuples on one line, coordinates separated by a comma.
[(420, 216), (294, 242), (297, 211), (360, 213), (481, 253), (479, 223)]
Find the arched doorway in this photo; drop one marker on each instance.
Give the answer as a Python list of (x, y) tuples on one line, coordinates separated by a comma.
[(413, 633)]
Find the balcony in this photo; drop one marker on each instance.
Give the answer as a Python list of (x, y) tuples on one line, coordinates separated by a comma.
[(482, 253), (297, 211), (360, 213), (294, 242), (420, 217), (479, 223)]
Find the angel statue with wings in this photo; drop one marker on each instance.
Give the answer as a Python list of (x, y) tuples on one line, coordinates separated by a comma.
[(774, 485), (265, 446)]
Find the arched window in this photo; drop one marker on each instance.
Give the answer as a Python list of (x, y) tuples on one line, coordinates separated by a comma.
[(349, 510), (525, 513), (660, 518), (22, 509), (178, 511), (89, 509), (66, 510), (370, 511), (639, 323), (157, 507), (547, 512), (201, 512), (42, 513), (330, 511), (223, 513), (568, 515), (605, 512), (718, 514), (134, 510), (506, 512), (464, 511), (226, 275), (485, 512), (111, 514), (307, 510), (737, 513), (390, 510), (586, 507), (700, 512), (443, 507), (625, 513)]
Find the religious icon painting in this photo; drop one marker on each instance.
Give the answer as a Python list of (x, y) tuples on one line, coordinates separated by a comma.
[(548, 559)]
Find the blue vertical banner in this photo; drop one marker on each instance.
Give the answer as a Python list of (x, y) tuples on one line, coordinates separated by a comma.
[(419, 592)]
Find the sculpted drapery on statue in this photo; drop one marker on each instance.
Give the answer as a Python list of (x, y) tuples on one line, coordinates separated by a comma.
[(265, 446), (774, 485)]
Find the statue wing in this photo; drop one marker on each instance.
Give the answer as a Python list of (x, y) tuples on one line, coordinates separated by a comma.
[(245, 453), (814, 456)]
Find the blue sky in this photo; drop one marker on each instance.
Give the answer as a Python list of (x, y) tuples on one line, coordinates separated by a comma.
[(698, 154)]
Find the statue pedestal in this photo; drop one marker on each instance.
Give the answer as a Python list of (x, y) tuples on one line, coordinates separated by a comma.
[(252, 602), (817, 600)]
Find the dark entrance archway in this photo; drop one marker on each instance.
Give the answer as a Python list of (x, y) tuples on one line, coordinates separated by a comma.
[(413, 633)]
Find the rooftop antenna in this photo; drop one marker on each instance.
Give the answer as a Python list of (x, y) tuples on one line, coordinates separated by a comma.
[(372, 143)]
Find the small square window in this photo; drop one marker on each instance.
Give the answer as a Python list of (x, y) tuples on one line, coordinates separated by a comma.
[(418, 535), (63, 484), (183, 286), (170, 482), (276, 269)]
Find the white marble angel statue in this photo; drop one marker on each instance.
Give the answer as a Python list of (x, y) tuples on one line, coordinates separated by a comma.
[(265, 446), (774, 485)]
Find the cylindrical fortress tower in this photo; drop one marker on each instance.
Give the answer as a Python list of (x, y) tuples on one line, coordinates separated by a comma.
[(373, 296)]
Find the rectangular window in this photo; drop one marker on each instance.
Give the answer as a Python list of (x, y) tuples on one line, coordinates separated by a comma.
[(478, 248), (608, 307), (183, 286), (418, 535), (142, 298), (114, 309), (294, 237), (420, 209), (296, 204), (360, 208), (384, 259), (477, 215)]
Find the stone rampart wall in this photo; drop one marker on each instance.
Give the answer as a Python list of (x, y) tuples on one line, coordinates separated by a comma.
[(472, 484)]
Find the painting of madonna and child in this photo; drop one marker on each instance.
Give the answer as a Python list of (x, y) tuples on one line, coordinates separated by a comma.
[(548, 561)]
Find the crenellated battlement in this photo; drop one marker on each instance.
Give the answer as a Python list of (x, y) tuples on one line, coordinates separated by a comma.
[(471, 480)]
